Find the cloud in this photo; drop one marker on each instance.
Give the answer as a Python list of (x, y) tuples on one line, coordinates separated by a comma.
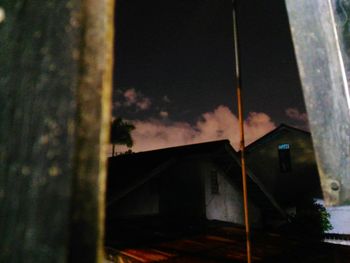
[(300, 118), (164, 114), (294, 114), (216, 125), (144, 104), (130, 96), (256, 125), (133, 98)]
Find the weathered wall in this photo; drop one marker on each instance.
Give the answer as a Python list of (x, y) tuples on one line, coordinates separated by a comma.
[(182, 191), (228, 204), (177, 193), (263, 160), (185, 194)]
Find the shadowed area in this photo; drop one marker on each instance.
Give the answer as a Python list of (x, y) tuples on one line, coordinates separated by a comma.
[(218, 242)]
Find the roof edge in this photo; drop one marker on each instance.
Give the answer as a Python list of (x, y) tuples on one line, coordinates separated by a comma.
[(259, 184), (279, 128)]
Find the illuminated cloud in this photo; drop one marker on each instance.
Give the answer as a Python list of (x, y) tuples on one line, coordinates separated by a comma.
[(216, 125), (256, 125), (164, 114), (300, 118), (144, 104), (130, 96), (294, 114), (133, 98)]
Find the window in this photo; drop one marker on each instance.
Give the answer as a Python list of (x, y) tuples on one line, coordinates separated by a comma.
[(284, 157), (214, 183)]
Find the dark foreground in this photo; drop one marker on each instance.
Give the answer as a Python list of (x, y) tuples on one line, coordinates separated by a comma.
[(212, 242)]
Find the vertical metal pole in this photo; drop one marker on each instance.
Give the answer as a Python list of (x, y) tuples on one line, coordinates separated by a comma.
[(241, 124)]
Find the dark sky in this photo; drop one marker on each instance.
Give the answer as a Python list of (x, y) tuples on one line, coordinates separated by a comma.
[(184, 50), (178, 57)]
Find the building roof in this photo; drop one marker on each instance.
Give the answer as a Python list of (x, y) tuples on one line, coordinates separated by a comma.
[(128, 172), (226, 243), (282, 128)]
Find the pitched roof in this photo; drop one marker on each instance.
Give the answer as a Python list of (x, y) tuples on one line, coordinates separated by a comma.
[(272, 134), (137, 168)]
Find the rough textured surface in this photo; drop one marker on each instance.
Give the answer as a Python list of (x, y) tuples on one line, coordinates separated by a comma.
[(227, 206), (54, 84), (326, 93)]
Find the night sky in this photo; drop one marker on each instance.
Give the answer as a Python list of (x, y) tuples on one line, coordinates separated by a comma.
[(174, 70)]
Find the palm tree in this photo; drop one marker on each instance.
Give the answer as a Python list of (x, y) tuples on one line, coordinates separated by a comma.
[(120, 133)]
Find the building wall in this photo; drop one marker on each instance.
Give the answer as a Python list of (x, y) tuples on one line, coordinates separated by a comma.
[(303, 178), (182, 191), (177, 193), (227, 205), (142, 201)]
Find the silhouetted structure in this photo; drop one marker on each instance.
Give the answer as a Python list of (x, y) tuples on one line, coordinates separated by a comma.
[(284, 161), (192, 183)]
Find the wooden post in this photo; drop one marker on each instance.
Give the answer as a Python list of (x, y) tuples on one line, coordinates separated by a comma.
[(321, 43), (55, 86)]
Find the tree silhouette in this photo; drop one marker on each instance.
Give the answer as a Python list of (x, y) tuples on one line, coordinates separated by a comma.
[(311, 220), (121, 133)]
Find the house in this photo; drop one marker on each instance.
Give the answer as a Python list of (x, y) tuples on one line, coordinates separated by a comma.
[(284, 161), (186, 184)]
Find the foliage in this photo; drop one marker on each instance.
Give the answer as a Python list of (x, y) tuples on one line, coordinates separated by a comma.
[(324, 216), (311, 219), (121, 133)]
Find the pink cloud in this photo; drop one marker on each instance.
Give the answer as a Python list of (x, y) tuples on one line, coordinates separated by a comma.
[(300, 117), (164, 114), (132, 97), (144, 104), (216, 125), (294, 114), (256, 125)]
